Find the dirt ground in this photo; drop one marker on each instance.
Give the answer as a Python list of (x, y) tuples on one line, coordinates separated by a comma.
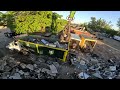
[(107, 49), (4, 41)]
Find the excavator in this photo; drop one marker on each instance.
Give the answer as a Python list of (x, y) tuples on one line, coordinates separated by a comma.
[(84, 39)]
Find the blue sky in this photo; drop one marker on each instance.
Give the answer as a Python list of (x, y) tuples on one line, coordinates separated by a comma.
[(84, 16)]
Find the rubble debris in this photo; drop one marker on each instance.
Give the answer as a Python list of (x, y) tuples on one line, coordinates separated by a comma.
[(35, 65), (7, 68), (2, 64), (14, 45), (26, 73), (94, 60), (94, 55), (82, 62), (32, 57), (97, 75), (83, 75), (21, 72), (112, 68), (29, 66), (23, 65), (38, 70), (15, 76), (44, 42), (53, 69), (56, 64), (48, 72)]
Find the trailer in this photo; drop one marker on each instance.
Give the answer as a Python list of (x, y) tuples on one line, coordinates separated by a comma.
[(42, 46)]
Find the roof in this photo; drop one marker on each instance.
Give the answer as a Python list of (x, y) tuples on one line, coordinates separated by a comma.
[(75, 37)]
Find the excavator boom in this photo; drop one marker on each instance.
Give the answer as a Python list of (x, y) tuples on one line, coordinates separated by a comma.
[(65, 36), (72, 13)]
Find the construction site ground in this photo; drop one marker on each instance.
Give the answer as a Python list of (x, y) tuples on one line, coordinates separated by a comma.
[(105, 50)]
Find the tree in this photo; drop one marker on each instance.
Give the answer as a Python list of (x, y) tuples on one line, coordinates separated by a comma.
[(99, 25), (93, 23), (34, 21), (29, 21), (118, 24)]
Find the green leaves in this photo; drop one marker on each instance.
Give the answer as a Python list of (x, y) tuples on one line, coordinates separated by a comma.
[(33, 21)]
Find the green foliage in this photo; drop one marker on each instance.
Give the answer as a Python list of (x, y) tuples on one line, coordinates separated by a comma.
[(57, 23), (29, 21), (34, 21), (99, 24)]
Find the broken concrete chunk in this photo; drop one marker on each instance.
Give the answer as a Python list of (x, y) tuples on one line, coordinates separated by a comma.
[(38, 70), (7, 68), (21, 72), (26, 73), (83, 75), (29, 66), (35, 65), (5, 75), (94, 60), (32, 57), (107, 73), (48, 72), (2, 64), (15, 76), (53, 69), (23, 65), (97, 75), (82, 62), (109, 77), (112, 68), (56, 64)]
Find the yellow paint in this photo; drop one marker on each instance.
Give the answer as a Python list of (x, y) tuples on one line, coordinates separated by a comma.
[(65, 53), (83, 40)]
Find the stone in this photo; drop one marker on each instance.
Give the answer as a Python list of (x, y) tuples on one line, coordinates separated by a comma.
[(2, 64), (15, 76), (53, 69), (12, 63), (35, 65), (26, 73), (38, 70), (32, 57), (7, 68), (21, 72), (112, 68), (48, 72), (107, 74), (97, 75), (23, 65), (56, 64), (29, 66), (82, 62), (83, 75), (5, 74), (94, 60), (13, 71)]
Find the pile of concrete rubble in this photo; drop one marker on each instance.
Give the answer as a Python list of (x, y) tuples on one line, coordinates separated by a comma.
[(41, 68), (13, 69), (96, 68)]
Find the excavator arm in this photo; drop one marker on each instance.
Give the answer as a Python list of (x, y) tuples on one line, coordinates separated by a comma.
[(72, 14), (65, 36)]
